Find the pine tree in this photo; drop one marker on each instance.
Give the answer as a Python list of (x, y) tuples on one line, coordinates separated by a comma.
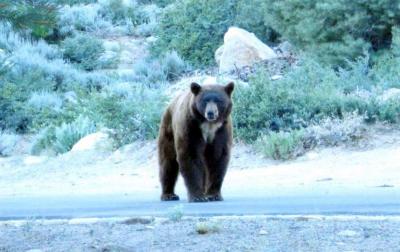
[(38, 16)]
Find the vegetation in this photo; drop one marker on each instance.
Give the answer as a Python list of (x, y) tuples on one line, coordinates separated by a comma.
[(37, 16), (306, 95), (195, 29), (334, 31), (57, 79), (83, 50)]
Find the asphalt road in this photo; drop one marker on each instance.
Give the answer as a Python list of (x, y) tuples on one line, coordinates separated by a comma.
[(374, 201)]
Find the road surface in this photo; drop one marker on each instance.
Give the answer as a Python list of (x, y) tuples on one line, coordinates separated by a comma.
[(374, 201)]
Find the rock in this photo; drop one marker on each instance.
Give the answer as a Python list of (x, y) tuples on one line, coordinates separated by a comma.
[(284, 49), (348, 233), (241, 49), (262, 232), (390, 94), (110, 45), (32, 160), (99, 141), (71, 97), (276, 77)]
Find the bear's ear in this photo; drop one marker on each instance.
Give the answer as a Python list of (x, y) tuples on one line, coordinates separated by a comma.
[(229, 88), (195, 88)]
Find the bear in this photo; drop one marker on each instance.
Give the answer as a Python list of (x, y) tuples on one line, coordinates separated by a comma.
[(195, 139)]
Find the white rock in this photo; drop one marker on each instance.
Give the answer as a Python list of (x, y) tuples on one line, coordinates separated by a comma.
[(110, 45), (32, 160), (241, 49), (390, 94), (96, 141), (348, 233), (276, 77), (262, 232)]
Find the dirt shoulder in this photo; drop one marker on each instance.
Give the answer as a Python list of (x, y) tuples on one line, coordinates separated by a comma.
[(254, 233), (132, 170)]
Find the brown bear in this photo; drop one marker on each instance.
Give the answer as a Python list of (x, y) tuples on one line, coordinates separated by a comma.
[(195, 138)]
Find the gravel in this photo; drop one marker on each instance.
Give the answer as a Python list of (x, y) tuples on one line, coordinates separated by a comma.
[(257, 233)]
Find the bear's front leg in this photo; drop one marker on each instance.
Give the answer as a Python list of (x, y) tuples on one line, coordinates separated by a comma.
[(193, 169), (215, 177), (217, 157)]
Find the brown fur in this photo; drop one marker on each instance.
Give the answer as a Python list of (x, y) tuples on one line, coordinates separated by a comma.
[(193, 145)]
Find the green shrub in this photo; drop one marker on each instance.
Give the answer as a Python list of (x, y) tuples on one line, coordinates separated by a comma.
[(61, 139), (154, 72), (44, 140), (84, 51), (281, 145), (161, 3), (310, 93), (334, 131), (175, 213), (7, 143), (70, 133), (207, 227), (195, 29), (133, 114), (307, 93), (118, 12), (72, 2), (334, 30)]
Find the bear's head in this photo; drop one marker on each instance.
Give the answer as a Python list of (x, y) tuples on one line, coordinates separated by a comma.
[(212, 103)]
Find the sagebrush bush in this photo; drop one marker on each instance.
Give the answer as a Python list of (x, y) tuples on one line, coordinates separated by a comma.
[(82, 18), (8, 142), (161, 3), (334, 31), (45, 100), (173, 65), (335, 131), (281, 145), (306, 93), (148, 28), (43, 140), (118, 11), (69, 134), (195, 29), (30, 66), (133, 114), (329, 132), (83, 50), (61, 139), (154, 72)]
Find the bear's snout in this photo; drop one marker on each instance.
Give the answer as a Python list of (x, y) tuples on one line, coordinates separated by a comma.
[(211, 112)]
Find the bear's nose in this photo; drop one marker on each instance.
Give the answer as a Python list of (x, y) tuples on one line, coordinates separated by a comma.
[(210, 114)]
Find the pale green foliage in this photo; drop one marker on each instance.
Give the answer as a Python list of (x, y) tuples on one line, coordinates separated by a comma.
[(281, 145), (195, 29), (62, 138), (207, 227), (83, 50), (8, 142), (45, 99), (70, 133), (155, 72), (175, 213)]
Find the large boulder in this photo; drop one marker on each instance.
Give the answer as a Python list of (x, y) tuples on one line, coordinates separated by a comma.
[(99, 141), (241, 48)]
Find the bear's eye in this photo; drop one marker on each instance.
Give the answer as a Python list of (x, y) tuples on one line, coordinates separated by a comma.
[(218, 101)]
